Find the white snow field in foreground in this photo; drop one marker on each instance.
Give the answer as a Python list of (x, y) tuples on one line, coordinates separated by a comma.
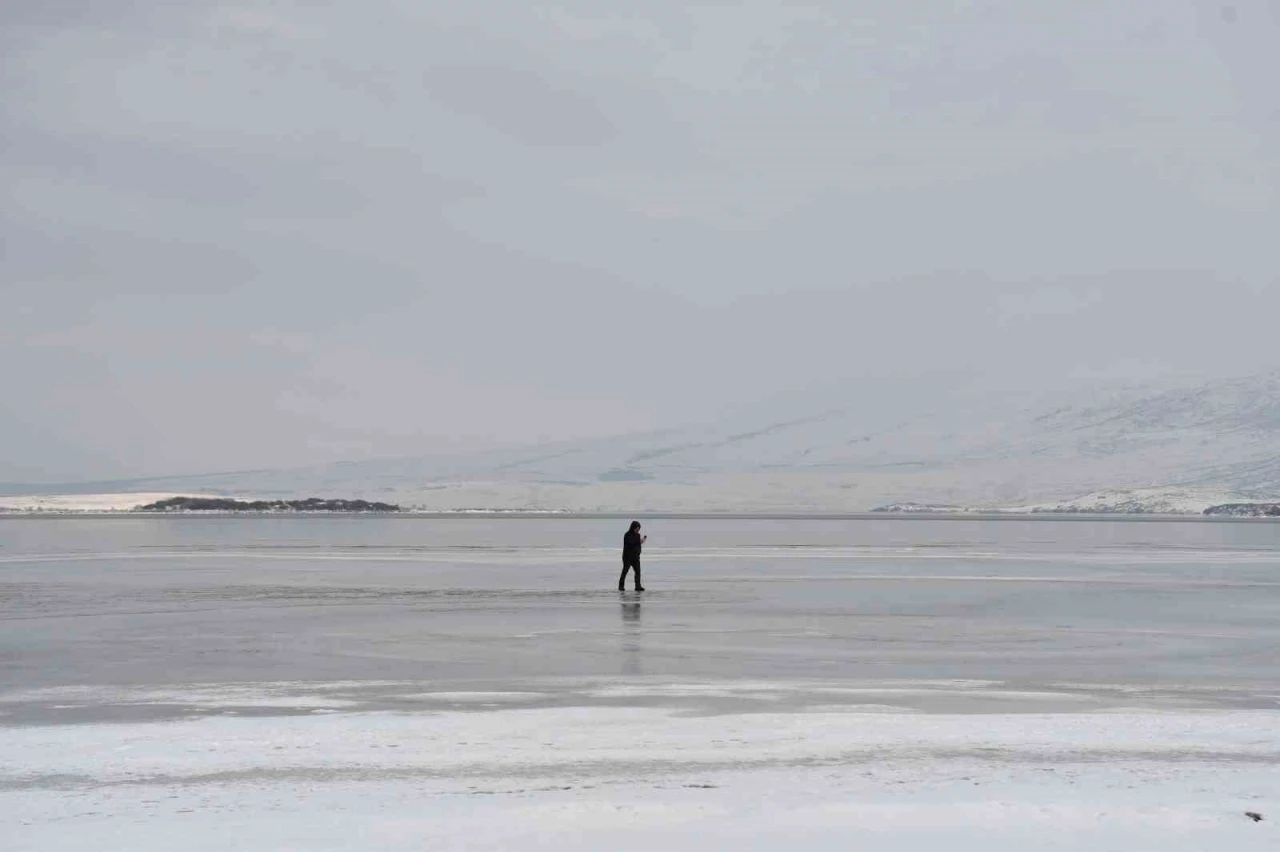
[(636, 777)]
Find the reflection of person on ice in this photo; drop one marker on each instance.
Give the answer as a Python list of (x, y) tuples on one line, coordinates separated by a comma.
[(631, 544)]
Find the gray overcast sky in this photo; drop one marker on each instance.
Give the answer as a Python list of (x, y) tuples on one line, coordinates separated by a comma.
[(263, 234)]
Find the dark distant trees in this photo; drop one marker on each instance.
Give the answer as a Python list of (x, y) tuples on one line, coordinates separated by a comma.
[(227, 504), (1246, 510)]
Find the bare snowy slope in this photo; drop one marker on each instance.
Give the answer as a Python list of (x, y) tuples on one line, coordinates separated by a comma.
[(965, 445)]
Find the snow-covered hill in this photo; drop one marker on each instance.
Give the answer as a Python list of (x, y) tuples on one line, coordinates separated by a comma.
[(1109, 448)]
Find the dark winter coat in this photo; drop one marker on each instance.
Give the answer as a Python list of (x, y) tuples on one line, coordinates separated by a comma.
[(631, 544)]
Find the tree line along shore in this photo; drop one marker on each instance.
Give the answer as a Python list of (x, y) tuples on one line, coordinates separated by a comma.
[(227, 504)]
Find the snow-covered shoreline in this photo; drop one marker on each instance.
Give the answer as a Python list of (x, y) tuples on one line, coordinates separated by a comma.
[(643, 777), (69, 504), (466, 501)]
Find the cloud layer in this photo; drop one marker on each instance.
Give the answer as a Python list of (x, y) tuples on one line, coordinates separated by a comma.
[(280, 233)]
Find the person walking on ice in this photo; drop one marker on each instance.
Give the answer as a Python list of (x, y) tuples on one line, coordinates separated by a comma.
[(631, 544)]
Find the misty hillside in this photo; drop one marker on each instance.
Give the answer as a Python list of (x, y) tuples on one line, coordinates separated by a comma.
[(959, 446)]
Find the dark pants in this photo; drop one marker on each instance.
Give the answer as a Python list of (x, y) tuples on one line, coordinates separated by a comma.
[(633, 564)]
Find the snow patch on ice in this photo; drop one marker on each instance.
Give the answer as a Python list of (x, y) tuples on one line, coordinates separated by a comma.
[(644, 778)]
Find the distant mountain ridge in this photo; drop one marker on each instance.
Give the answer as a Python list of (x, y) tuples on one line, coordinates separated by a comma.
[(965, 446)]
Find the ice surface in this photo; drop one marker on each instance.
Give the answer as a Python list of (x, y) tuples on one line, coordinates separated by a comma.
[(409, 683), (147, 602)]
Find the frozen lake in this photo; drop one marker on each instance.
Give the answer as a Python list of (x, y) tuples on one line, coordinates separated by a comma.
[(923, 680), (1191, 608)]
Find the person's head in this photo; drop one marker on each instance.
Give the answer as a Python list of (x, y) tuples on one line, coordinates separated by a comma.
[(635, 526)]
